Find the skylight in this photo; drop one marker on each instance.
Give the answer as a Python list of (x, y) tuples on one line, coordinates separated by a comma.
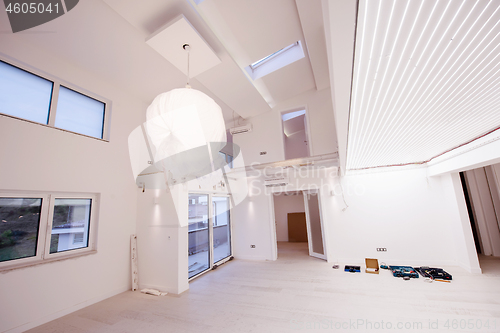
[(276, 60)]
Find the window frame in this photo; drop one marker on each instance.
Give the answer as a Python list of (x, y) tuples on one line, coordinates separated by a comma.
[(43, 254), (275, 61), (50, 221), (41, 229), (57, 83)]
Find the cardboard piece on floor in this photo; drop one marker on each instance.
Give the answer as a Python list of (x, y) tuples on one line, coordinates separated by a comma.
[(371, 266)]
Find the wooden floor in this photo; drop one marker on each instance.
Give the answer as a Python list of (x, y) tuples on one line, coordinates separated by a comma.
[(301, 293)]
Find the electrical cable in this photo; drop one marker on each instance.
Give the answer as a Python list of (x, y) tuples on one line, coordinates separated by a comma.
[(343, 197)]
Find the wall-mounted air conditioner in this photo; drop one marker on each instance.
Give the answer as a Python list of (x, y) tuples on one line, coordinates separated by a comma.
[(240, 129), (276, 181)]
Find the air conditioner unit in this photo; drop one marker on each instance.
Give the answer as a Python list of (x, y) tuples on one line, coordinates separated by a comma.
[(276, 181), (240, 129)]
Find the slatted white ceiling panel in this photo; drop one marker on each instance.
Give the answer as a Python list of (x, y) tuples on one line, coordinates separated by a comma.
[(426, 79)]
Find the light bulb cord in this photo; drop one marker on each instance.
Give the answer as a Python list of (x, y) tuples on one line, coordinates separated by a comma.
[(186, 47)]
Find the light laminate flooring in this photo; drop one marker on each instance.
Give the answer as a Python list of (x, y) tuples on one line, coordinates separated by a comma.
[(301, 293)]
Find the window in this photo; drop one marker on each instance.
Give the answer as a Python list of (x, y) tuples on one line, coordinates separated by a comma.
[(79, 113), (25, 218), (24, 95), (19, 227), (47, 101), (276, 60), (70, 221)]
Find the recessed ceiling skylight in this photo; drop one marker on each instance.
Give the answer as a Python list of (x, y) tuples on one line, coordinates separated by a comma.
[(276, 60)]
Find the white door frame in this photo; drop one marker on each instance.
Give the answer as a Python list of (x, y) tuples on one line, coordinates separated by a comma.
[(274, 237), (230, 229), (306, 128)]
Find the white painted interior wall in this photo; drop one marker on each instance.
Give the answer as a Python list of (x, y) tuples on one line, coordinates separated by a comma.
[(284, 204), (162, 233), (35, 157), (254, 217), (267, 132), (251, 225), (162, 240), (414, 216), (410, 214), (320, 122), (391, 208), (296, 146)]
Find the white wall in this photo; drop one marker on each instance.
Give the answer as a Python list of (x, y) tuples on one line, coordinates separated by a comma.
[(162, 232), (267, 133), (295, 146), (413, 216), (284, 204), (35, 157), (254, 217), (252, 226), (419, 219), (162, 240)]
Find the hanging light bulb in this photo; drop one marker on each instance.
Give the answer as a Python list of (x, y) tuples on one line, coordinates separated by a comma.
[(181, 141), (186, 130)]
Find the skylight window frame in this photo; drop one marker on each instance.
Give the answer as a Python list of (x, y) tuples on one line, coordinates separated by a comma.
[(264, 60), (276, 60)]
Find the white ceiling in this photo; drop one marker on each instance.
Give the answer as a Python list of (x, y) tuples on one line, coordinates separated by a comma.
[(240, 33), (426, 79), (108, 38)]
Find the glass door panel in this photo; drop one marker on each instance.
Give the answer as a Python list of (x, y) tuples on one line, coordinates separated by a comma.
[(221, 228), (199, 234), (314, 224)]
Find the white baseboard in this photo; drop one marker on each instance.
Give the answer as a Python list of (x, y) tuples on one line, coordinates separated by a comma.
[(62, 313)]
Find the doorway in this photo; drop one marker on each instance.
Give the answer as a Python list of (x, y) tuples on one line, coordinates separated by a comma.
[(295, 134), (209, 232), (298, 224), (482, 196)]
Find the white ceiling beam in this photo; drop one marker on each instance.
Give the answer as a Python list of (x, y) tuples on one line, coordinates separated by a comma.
[(311, 20), (477, 154), (339, 17)]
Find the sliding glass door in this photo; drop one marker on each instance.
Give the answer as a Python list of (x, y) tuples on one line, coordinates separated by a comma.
[(209, 231), (221, 228), (199, 234)]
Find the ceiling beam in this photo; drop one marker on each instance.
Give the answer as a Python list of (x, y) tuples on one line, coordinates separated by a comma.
[(339, 17)]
